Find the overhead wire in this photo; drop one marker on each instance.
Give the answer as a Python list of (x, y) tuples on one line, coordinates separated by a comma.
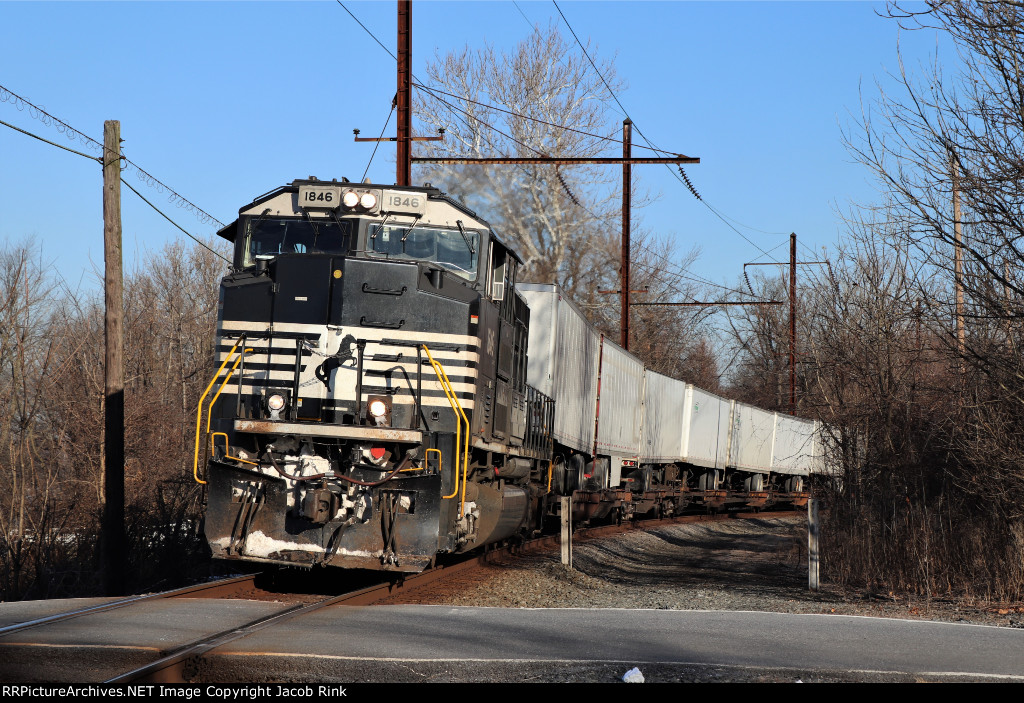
[(38, 113), (520, 115), (433, 92), (375, 146), (684, 180), (164, 215), (144, 199), (59, 146), (435, 96), (681, 272)]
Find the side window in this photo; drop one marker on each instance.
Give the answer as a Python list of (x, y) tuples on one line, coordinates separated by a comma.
[(499, 271)]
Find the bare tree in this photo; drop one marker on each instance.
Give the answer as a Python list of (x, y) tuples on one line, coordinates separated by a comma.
[(545, 99), (51, 390), (554, 104)]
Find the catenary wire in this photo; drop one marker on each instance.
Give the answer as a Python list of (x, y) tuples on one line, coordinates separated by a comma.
[(375, 146), (433, 92), (683, 180)]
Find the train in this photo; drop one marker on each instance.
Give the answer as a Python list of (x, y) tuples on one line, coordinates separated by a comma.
[(389, 391)]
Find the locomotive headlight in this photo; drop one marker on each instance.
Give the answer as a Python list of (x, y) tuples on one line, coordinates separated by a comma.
[(368, 200), (350, 198), (380, 410), (276, 403)]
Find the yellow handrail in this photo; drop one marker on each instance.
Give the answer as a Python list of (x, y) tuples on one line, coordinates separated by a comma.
[(440, 459), (199, 409), (426, 462), (209, 410), (446, 385), (227, 448)]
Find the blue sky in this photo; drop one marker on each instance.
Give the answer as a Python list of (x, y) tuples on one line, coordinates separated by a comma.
[(224, 101)]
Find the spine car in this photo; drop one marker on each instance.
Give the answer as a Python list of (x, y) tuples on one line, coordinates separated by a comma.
[(375, 404)]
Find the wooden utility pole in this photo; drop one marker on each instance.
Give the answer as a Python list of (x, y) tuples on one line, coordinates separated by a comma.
[(112, 539), (404, 107), (627, 181)]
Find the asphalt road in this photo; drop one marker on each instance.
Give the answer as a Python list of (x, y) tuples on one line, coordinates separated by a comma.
[(444, 643), (349, 644)]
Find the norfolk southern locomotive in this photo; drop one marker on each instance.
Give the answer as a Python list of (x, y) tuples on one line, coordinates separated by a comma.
[(372, 406)]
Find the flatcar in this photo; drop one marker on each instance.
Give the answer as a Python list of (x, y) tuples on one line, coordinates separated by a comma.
[(389, 391)]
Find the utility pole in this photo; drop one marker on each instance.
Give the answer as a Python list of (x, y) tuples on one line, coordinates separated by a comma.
[(403, 101), (792, 323), (112, 539), (627, 180), (404, 174), (792, 311)]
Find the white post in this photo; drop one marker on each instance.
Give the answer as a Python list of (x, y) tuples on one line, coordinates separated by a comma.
[(812, 544), (566, 510)]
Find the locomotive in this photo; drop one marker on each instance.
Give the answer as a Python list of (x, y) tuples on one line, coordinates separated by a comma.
[(383, 396)]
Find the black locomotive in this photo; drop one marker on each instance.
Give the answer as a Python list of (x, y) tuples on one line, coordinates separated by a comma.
[(371, 407)]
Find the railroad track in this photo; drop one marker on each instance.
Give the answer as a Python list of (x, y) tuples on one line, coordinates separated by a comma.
[(179, 664)]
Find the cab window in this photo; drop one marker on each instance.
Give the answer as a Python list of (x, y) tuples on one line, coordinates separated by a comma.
[(274, 236), (455, 250)]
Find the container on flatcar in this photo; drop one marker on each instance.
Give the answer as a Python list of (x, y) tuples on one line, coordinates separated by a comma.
[(706, 423), (620, 409), (562, 364), (663, 419)]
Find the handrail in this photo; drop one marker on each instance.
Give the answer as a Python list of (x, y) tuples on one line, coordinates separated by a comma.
[(209, 410), (446, 385), (440, 459), (426, 462), (227, 448), (199, 409)]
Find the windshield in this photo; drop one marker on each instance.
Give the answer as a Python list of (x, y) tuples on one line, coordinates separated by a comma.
[(272, 236), (455, 250)]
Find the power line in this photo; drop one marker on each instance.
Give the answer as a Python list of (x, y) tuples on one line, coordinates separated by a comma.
[(433, 92), (681, 273), (38, 113), (596, 70), (59, 146), (435, 96), (386, 123), (536, 119), (685, 181), (100, 160), (187, 234)]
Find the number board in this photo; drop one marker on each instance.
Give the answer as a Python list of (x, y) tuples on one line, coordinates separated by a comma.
[(404, 201), (328, 197)]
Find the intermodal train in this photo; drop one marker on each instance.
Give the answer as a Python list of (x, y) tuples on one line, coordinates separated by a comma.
[(389, 391)]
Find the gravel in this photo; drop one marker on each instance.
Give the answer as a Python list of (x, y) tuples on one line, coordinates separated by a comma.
[(750, 564)]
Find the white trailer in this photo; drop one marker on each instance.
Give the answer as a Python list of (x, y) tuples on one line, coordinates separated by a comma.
[(752, 438), (620, 407), (662, 434), (563, 352), (706, 422)]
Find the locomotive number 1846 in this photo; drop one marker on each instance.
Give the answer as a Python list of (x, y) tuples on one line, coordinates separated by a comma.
[(400, 201)]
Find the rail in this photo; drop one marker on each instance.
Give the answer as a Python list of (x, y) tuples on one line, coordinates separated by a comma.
[(446, 385)]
